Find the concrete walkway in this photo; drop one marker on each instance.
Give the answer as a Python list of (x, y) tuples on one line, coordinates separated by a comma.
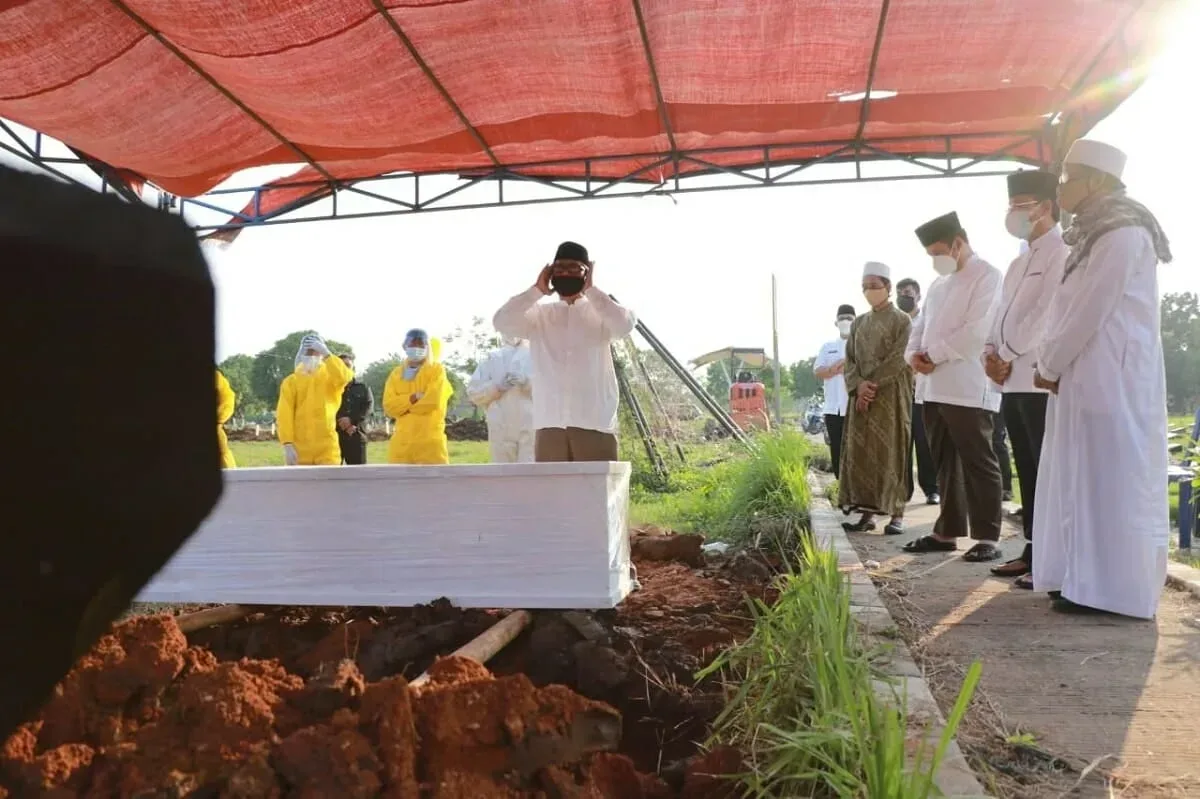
[(1059, 693)]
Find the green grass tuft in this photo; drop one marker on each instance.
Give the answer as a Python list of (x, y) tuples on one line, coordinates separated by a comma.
[(804, 707)]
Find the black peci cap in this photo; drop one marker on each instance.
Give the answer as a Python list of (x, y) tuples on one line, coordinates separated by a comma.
[(1033, 182), (570, 251), (940, 229), (846, 310)]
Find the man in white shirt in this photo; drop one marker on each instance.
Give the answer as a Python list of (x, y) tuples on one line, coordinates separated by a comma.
[(1010, 352), (945, 344), (1101, 521), (828, 366), (908, 299), (575, 405)]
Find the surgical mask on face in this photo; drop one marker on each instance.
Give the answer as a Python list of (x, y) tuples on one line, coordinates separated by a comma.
[(875, 296), (945, 264), (1019, 223), (416, 353), (843, 326), (309, 363), (906, 302), (566, 285)]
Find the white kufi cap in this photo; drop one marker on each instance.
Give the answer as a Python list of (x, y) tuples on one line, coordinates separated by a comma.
[(1098, 155), (876, 269)]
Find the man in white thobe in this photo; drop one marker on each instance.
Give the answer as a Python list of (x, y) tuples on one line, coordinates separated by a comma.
[(1101, 521), (1010, 352), (501, 386)]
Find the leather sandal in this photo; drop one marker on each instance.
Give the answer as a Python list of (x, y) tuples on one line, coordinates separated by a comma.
[(1013, 568), (927, 543), (981, 553)]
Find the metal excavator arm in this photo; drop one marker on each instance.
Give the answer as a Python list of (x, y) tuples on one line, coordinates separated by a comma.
[(107, 418)]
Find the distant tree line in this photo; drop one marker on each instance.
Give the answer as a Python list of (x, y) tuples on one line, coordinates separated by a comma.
[(256, 378)]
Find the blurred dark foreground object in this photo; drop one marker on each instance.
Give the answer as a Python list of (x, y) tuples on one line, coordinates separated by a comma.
[(107, 418)]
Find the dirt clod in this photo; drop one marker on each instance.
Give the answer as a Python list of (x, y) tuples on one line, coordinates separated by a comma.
[(653, 544), (315, 702)]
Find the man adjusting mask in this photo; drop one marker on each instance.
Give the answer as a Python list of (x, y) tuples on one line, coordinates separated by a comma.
[(501, 386)]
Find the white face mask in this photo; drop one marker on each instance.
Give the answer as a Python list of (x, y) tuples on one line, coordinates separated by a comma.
[(415, 353), (843, 326), (945, 264), (309, 363), (1019, 223)]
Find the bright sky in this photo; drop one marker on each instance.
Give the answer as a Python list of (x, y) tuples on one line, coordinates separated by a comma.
[(697, 272)]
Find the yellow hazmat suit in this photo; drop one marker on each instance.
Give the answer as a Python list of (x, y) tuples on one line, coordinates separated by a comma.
[(420, 435), (226, 402), (308, 403)]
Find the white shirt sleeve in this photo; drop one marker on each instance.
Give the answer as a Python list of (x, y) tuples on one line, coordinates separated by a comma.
[(1092, 296), (966, 340), (914, 337), (616, 320), (518, 317)]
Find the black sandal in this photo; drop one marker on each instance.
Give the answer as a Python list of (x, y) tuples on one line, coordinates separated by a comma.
[(1024, 581), (981, 553), (927, 543), (858, 527)]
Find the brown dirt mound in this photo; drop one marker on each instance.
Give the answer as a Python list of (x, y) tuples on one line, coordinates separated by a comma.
[(315, 703)]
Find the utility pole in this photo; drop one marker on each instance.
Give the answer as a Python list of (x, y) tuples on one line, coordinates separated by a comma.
[(775, 346)]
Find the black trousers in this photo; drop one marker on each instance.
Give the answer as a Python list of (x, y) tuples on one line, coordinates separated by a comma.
[(998, 444), (960, 439), (1025, 416), (926, 472), (354, 448), (836, 426)]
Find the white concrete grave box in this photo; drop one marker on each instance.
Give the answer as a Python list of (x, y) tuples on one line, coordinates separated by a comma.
[(528, 535)]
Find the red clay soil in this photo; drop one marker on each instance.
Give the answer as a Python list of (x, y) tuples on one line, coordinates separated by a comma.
[(313, 703)]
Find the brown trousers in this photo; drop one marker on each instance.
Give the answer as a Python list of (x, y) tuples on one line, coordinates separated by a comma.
[(968, 474), (559, 444)]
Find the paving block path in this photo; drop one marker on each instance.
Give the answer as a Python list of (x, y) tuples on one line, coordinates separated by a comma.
[(1085, 687)]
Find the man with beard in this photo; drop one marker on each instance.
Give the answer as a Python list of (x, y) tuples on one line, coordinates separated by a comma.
[(1101, 521)]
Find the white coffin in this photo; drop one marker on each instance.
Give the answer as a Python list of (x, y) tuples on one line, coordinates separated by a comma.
[(537, 535)]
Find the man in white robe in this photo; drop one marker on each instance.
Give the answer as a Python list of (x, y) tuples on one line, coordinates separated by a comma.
[(1101, 518)]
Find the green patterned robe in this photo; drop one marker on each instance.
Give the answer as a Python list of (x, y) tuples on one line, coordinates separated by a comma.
[(875, 443)]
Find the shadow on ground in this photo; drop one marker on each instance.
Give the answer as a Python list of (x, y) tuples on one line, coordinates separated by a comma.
[(1067, 703)]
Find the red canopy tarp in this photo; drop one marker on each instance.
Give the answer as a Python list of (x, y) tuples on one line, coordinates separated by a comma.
[(187, 92)]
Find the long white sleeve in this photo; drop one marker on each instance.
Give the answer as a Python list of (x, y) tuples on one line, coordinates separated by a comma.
[(1024, 339), (914, 337), (967, 339), (518, 316), (1093, 291), (482, 388), (616, 320)]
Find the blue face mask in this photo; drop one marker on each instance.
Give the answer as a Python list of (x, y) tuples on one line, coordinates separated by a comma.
[(416, 353)]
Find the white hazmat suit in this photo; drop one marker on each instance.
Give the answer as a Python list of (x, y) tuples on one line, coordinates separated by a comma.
[(501, 386)]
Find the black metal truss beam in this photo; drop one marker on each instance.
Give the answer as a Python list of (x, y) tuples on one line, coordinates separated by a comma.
[(656, 84), (34, 154), (763, 168), (331, 182), (864, 110), (382, 10)]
